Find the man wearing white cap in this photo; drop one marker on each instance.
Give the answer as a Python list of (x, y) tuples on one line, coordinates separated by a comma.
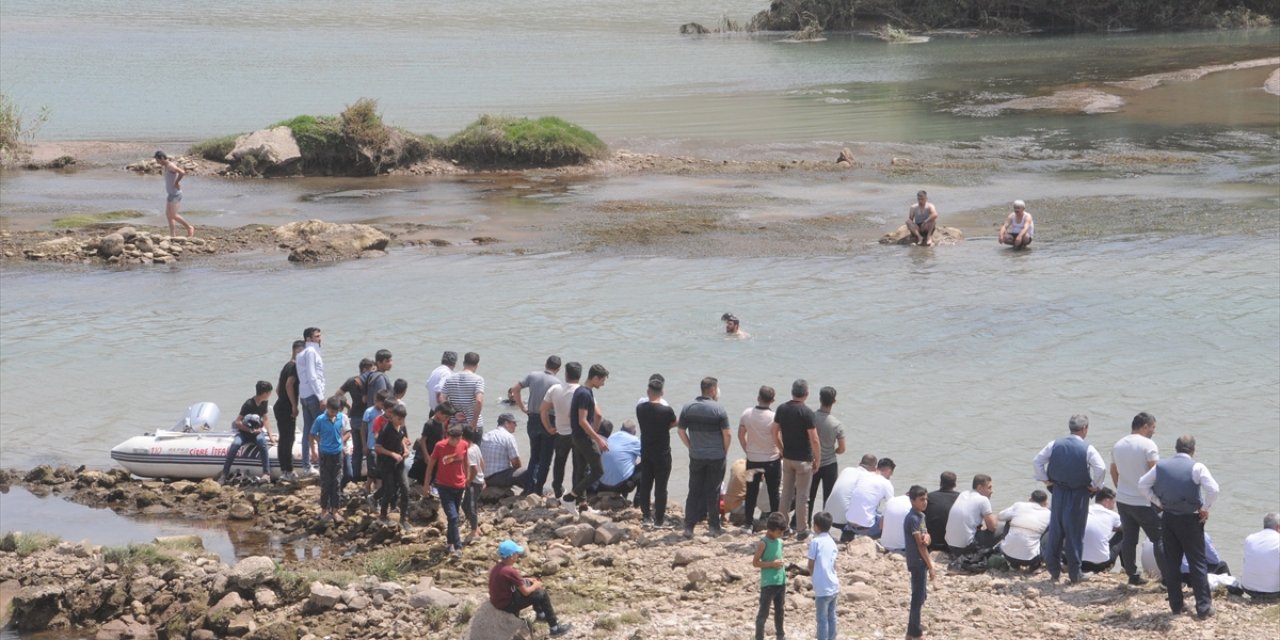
[(511, 592), (1018, 228)]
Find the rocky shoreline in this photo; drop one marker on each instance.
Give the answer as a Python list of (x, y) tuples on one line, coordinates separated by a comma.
[(608, 575)]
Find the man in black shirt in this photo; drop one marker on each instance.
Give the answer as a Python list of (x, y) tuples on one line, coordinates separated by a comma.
[(433, 431), (587, 442), (252, 425), (935, 515), (286, 411), (656, 422), (392, 447), (356, 386), (796, 423)]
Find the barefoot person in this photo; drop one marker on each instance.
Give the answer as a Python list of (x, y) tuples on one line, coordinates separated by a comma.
[(173, 175), (922, 219), (1018, 227)]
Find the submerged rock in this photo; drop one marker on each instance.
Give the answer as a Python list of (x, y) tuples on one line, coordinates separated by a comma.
[(318, 241)]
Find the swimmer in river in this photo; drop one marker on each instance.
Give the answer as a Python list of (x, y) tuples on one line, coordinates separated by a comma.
[(922, 219), (1018, 228), (732, 327)]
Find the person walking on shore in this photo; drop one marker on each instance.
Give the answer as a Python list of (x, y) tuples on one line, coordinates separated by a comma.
[(822, 568), (758, 435), (704, 429), (392, 446), (1185, 490), (448, 465), (310, 390), (795, 424), (831, 443), (356, 386), (542, 438), (656, 420), (1131, 458), (1072, 470), (173, 175), (286, 411)]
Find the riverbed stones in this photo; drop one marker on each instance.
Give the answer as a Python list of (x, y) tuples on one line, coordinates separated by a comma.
[(125, 629), (323, 597), (111, 245), (252, 571), (36, 608), (318, 241)]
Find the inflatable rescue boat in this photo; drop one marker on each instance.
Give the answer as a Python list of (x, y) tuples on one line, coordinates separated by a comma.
[(192, 449)]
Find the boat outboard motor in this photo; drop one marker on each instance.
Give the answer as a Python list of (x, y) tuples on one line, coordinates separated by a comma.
[(201, 416)]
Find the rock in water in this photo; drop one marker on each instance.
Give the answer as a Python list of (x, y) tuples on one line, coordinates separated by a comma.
[(272, 151), (941, 235)]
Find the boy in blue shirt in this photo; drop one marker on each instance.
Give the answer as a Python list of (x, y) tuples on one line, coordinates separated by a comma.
[(918, 561), (372, 479), (773, 578), (822, 566), (331, 432)]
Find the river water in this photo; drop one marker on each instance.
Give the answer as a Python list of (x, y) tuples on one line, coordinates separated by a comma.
[(1155, 289)]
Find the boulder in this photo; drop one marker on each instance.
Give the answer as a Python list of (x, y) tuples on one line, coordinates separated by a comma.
[(323, 596), (252, 571), (42, 474), (579, 535), (125, 629), (317, 241), (490, 623), (241, 511), (191, 540), (266, 598), (208, 489), (609, 533), (432, 597), (593, 519), (230, 602), (35, 607), (941, 235), (860, 592), (111, 245), (242, 624), (685, 557), (862, 547), (278, 630), (494, 495), (270, 151), (845, 158)]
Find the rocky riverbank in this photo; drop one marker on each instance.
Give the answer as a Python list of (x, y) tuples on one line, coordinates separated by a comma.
[(609, 576)]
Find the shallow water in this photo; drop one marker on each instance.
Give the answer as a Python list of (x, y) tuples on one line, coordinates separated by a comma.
[(966, 358)]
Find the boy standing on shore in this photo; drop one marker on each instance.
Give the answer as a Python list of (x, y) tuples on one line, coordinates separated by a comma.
[(918, 561), (773, 578), (331, 432), (822, 567), (392, 447), (449, 463)]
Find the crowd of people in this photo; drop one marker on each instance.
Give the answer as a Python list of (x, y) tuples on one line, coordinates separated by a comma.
[(1076, 525)]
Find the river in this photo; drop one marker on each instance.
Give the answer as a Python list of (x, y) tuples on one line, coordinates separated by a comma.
[(1150, 289)]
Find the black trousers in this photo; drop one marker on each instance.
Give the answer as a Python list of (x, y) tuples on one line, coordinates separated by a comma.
[(539, 600), (393, 488), (772, 475), (655, 471), (1184, 536), (705, 477), (827, 476), (287, 426), (563, 450), (771, 596), (588, 453), (1132, 520)]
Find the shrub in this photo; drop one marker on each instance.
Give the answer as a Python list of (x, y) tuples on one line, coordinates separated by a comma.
[(16, 127), (547, 141), (321, 142), (138, 554), (215, 149), (25, 544), (362, 125), (387, 564)]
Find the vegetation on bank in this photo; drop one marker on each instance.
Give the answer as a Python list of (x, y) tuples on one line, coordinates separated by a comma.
[(358, 142), (25, 544), (1016, 15), (17, 128), (85, 219)]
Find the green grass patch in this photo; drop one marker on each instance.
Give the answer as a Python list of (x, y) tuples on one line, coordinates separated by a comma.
[(465, 613), (295, 585), (388, 564), (25, 544), (86, 219), (508, 141), (436, 618), (139, 554), (215, 149)]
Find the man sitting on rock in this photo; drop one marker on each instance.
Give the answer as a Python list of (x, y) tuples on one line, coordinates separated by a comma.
[(621, 474), (1027, 522), (511, 592), (971, 525)]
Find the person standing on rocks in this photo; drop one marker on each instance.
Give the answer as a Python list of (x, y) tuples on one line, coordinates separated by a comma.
[(587, 441), (557, 405), (435, 382), (922, 219), (826, 584), (919, 564), (656, 420), (392, 446), (310, 391), (371, 383), (465, 391), (1185, 490), (173, 175), (286, 411), (331, 432), (432, 433), (800, 448), (1073, 471), (773, 577), (356, 385), (542, 438), (1131, 458), (511, 592), (448, 463), (252, 425), (831, 443), (759, 438), (704, 429)]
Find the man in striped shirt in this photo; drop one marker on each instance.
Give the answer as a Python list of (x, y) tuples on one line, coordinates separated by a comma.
[(465, 391)]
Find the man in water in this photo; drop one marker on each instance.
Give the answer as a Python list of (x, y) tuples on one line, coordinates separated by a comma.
[(922, 219), (1018, 227), (173, 175), (733, 327)]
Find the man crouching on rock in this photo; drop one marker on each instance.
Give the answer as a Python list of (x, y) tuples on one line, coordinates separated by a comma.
[(512, 592)]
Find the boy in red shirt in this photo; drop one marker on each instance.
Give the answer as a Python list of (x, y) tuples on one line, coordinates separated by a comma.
[(512, 592), (449, 463)]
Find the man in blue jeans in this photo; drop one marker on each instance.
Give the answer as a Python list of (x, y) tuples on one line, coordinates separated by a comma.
[(252, 425), (1072, 470), (310, 390)]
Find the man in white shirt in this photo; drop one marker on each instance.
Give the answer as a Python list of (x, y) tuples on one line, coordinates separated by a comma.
[(762, 443), (895, 513), (1101, 534), (310, 392), (1072, 470), (1185, 490), (435, 382), (1261, 575), (862, 516), (848, 479), (555, 411), (1131, 457), (971, 515), (1027, 523), (502, 465)]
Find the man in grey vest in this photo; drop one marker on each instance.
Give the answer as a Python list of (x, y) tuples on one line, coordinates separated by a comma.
[(1072, 470), (704, 429), (1175, 485)]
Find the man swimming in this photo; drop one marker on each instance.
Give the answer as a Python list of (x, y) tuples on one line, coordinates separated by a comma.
[(732, 327)]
